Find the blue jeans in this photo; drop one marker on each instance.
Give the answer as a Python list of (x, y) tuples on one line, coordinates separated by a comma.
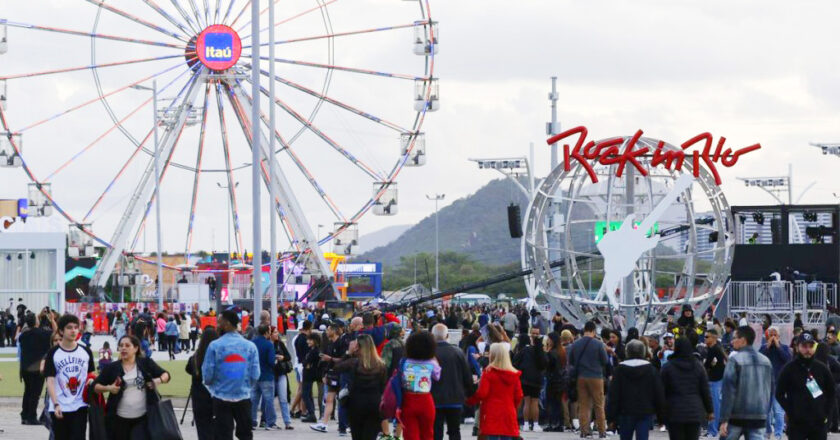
[(640, 425), (281, 386), (735, 433), (715, 389), (343, 380), (263, 389), (776, 419)]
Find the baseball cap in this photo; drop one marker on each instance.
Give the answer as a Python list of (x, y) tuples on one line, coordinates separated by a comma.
[(668, 335), (805, 338)]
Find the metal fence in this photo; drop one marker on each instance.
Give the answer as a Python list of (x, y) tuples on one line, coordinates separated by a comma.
[(782, 299)]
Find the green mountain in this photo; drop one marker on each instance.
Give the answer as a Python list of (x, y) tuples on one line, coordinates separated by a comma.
[(475, 226)]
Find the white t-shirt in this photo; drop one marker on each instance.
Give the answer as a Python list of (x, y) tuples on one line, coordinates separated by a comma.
[(70, 370), (133, 402)]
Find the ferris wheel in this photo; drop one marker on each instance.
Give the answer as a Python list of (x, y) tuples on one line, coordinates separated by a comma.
[(354, 79)]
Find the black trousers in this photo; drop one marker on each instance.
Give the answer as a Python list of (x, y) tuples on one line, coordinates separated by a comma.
[(226, 414), (809, 431), (33, 384), (683, 431), (130, 429), (365, 421), (452, 418), (203, 416), (71, 426)]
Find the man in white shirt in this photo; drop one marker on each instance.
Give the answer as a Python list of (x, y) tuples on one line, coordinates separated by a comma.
[(66, 368)]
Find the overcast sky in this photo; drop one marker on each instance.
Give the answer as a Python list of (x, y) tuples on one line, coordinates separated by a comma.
[(752, 71)]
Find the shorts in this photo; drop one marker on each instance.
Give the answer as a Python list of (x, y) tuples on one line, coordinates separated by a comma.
[(531, 391)]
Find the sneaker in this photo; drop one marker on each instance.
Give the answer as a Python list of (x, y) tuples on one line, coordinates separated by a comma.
[(536, 428), (308, 419), (273, 428), (662, 428), (342, 433), (469, 420), (289, 427), (320, 427)]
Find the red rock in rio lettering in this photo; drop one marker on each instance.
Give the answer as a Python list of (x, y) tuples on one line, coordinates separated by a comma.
[(608, 152)]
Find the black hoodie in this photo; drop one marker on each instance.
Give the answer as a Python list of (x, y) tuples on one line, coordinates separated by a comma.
[(794, 397), (686, 386), (635, 390)]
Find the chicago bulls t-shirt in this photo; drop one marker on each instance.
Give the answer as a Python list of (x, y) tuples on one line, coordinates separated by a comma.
[(70, 369)]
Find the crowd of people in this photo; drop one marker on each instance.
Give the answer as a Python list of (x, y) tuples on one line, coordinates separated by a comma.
[(397, 374)]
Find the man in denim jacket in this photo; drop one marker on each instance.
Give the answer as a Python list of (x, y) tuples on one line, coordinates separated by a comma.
[(747, 389), (231, 369)]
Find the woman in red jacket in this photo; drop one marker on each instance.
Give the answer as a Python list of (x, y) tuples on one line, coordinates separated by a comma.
[(499, 393)]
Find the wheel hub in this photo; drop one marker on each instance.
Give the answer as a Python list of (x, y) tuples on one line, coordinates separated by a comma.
[(217, 47)]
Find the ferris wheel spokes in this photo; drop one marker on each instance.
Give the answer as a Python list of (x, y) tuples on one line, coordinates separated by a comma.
[(301, 167), (323, 136), (244, 8), (196, 28), (343, 68), (166, 16), (231, 186), (143, 191), (15, 24), (119, 173), (196, 14), (335, 102), (95, 66), (199, 155), (287, 202), (136, 19), (97, 99), (343, 34), (298, 15)]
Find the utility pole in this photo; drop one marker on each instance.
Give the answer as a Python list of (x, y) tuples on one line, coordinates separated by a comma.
[(272, 122), (553, 127), (437, 198), (256, 157), (218, 292)]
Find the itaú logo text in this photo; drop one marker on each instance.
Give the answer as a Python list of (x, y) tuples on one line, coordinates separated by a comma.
[(218, 47)]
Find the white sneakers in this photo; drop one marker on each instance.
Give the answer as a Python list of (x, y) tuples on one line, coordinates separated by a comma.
[(320, 427)]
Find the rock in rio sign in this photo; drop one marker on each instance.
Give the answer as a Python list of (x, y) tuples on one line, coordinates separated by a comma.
[(218, 47), (608, 152)]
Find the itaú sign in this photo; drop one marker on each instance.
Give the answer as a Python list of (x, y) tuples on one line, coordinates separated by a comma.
[(609, 152), (218, 47)]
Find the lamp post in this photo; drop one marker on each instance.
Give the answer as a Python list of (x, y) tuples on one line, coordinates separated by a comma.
[(256, 156), (227, 189), (156, 195), (436, 198)]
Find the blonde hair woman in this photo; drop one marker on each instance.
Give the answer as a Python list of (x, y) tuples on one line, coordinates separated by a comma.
[(369, 377), (499, 394)]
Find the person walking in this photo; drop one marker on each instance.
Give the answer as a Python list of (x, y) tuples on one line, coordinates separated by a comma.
[(263, 390), (160, 328), (715, 362), (687, 394), (282, 367), (66, 368), (230, 370), (368, 383), (301, 347), (311, 375), (588, 358), (635, 394), (202, 401), (453, 387), (34, 344), (805, 390), (130, 383), (184, 333), (531, 360), (419, 371), (499, 395), (747, 389), (555, 382), (171, 331), (779, 355)]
